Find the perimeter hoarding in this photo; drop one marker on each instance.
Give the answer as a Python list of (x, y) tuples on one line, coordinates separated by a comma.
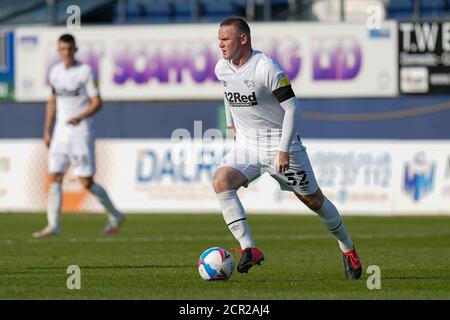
[(177, 62), (159, 176), (424, 57), (6, 65)]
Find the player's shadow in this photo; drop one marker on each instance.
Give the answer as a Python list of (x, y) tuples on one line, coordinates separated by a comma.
[(416, 278), (148, 266), (270, 280), (303, 280)]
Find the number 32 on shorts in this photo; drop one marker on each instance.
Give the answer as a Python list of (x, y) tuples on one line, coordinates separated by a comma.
[(297, 178)]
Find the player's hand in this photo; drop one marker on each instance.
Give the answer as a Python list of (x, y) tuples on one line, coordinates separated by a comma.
[(232, 132), (47, 138), (74, 121), (282, 161)]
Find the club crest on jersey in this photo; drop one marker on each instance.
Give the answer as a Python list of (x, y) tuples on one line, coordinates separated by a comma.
[(236, 99), (249, 83)]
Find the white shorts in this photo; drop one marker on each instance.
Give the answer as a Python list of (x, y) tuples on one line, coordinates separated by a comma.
[(79, 152), (299, 178)]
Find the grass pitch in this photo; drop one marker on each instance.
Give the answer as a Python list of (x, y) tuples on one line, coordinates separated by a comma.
[(155, 257)]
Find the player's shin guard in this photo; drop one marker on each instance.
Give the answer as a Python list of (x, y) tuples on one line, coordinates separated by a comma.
[(235, 217), (100, 193), (54, 205), (330, 216)]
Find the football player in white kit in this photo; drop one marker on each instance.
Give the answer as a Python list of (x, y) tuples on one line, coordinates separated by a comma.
[(74, 100), (262, 113)]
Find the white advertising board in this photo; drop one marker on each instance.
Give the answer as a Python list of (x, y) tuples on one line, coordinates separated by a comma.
[(159, 176), (177, 62)]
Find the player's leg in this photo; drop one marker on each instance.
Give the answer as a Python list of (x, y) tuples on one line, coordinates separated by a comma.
[(226, 182), (228, 178), (115, 217), (53, 207), (57, 165), (330, 216), (84, 166), (301, 180)]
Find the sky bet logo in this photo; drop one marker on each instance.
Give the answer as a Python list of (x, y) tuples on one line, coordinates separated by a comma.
[(419, 176), (235, 99)]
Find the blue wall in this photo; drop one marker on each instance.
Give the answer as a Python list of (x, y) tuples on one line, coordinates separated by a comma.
[(399, 118), (158, 120)]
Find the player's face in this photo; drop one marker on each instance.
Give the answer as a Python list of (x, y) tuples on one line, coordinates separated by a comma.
[(66, 51), (230, 42)]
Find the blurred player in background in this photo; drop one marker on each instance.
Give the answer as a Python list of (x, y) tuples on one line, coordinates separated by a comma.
[(263, 114), (74, 100)]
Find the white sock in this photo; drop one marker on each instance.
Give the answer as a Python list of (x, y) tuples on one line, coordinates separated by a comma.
[(54, 205), (100, 193), (330, 216), (235, 218)]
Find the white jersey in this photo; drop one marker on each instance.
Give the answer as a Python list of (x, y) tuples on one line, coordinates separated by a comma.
[(250, 103), (72, 87)]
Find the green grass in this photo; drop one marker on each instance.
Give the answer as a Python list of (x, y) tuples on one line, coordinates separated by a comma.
[(155, 256)]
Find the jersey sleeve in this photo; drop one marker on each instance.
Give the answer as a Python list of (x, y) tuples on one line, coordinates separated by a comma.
[(279, 84), (51, 82), (228, 116), (92, 85)]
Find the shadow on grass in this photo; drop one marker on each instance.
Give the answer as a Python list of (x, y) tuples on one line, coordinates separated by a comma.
[(152, 266), (416, 278), (140, 266), (343, 280)]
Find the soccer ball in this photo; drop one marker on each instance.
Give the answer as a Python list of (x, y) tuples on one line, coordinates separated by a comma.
[(215, 264)]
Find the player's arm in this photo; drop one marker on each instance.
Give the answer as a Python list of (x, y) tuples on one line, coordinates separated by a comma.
[(282, 90), (50, 115), (94, 98), (228, 116), (95, 105), (288, 101), (290, 121)]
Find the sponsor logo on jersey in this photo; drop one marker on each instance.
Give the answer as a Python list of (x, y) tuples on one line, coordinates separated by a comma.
[(419, 176), (236, 99), (67, 93)]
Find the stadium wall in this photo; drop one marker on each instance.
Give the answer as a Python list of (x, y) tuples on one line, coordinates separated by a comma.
[(370, 157), (374, 152), (407, 117)]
